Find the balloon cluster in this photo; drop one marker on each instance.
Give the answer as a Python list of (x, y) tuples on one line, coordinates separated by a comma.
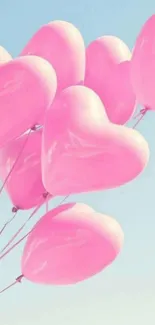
[(63, 110)]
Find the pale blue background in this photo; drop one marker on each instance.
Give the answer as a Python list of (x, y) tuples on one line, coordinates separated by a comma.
[(124, 294)]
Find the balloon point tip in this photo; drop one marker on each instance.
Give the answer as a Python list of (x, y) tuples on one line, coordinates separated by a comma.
[(19, 278), (15, 209), (45, 195)]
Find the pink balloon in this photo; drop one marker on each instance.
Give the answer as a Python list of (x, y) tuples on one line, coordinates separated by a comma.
[(70, 244), (62, 45), (143, 65), (27, 88), (82, 151), (4, 55), (24, 185), (108, 74), (117, 94)]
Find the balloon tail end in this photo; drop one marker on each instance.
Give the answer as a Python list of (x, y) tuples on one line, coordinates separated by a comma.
[(141, 115), (15, 209), (19, 278)]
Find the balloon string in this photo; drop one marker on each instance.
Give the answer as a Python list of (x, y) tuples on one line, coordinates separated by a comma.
[(63, 200), (20, 240), (13, 166), (141, 115), (34, 128), (20, 229), (15, 209), (8, 287), (18, 280), (15, 245), (7, 223)]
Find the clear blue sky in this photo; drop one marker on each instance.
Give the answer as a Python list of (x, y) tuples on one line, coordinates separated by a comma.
[(124, 294)]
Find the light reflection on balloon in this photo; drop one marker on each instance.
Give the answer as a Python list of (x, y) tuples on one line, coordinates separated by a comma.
[(83, 151), (81, 98), (69, 244), (24, 185)]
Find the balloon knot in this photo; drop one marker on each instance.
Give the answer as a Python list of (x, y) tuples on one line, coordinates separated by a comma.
[(34, 128), (15, 209), (45, 195), (144, 110), (19, 279)]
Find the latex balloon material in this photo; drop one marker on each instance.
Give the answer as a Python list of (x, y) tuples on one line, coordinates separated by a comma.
[(117, 94), (62, 45), (143, 65), (108, 74), (27, 88), (69, 244), (24, 184), (4, 55), (82, 151)]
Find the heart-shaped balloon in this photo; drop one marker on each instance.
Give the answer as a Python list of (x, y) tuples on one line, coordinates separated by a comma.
[(60, 43), (4, 55), (27, 88), (143, 65), (108, 74), (23, 158), (82, 151), (70, 244), (117, 94)]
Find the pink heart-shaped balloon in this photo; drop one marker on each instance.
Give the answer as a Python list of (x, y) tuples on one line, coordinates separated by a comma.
[(60, 43), (70, 244), (82, 151), (108, 74), (27, 88), (143, 65), (117, 94), (23, 158)]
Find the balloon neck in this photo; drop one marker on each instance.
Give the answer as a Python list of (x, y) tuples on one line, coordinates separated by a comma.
[(45, 195), (144, 110), (19, 279), (36, 127), (15, 209), (147, 108)]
